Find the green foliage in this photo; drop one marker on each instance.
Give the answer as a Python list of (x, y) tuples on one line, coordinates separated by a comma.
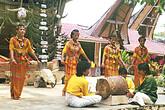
[(124, 55), (161, 34), (160, 80), (127, 60), (163, 25), (154, 73), (159, 9), (160, 6), (130, 2), (163, 70)]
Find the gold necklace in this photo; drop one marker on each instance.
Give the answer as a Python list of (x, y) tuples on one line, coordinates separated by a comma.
[(75, 43), (20, 40)]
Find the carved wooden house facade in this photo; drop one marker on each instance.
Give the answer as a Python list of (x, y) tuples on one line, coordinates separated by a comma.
[(114, 21), (145, 20)]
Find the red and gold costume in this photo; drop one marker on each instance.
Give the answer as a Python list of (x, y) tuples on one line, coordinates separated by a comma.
[(72, 51), (112, 55), (19, 70), (140, 55)]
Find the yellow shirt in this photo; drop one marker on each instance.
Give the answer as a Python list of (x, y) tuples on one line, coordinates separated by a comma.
[(130, 83), (78, 86)]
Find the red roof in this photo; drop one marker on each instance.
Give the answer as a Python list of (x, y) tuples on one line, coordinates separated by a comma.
[(67, 28), (153, 46)]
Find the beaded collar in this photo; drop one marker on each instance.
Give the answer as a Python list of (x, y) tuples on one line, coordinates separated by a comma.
[(112, 46), (75, 43), (20, 40), (142, 47)]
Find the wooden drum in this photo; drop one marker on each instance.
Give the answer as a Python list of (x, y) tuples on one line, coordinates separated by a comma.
[(114, 85)]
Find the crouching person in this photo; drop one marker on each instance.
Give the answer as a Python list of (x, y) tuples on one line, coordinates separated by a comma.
[(146, 92), (77, 94), (123, 73)]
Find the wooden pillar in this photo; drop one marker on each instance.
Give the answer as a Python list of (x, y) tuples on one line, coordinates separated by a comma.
[(100, 55), (21, 3), (96, 56)]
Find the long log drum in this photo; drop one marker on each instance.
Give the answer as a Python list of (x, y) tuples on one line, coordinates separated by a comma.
[(114, 85)]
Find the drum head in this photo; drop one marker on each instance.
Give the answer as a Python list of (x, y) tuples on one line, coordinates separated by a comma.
[(103, 87)]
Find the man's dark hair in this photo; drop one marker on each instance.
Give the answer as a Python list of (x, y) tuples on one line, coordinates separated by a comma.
[(144, 67), (82, 66), (19, 26), (75, 30), (111, 36), (141, 38), (122, 71)]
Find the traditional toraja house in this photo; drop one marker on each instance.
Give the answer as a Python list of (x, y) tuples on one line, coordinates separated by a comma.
[(88, 43), (114, 21), (144, 21)]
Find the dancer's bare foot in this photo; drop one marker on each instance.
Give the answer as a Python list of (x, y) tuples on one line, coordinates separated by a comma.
[(63, 93), (12, 97), (19, 99)]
